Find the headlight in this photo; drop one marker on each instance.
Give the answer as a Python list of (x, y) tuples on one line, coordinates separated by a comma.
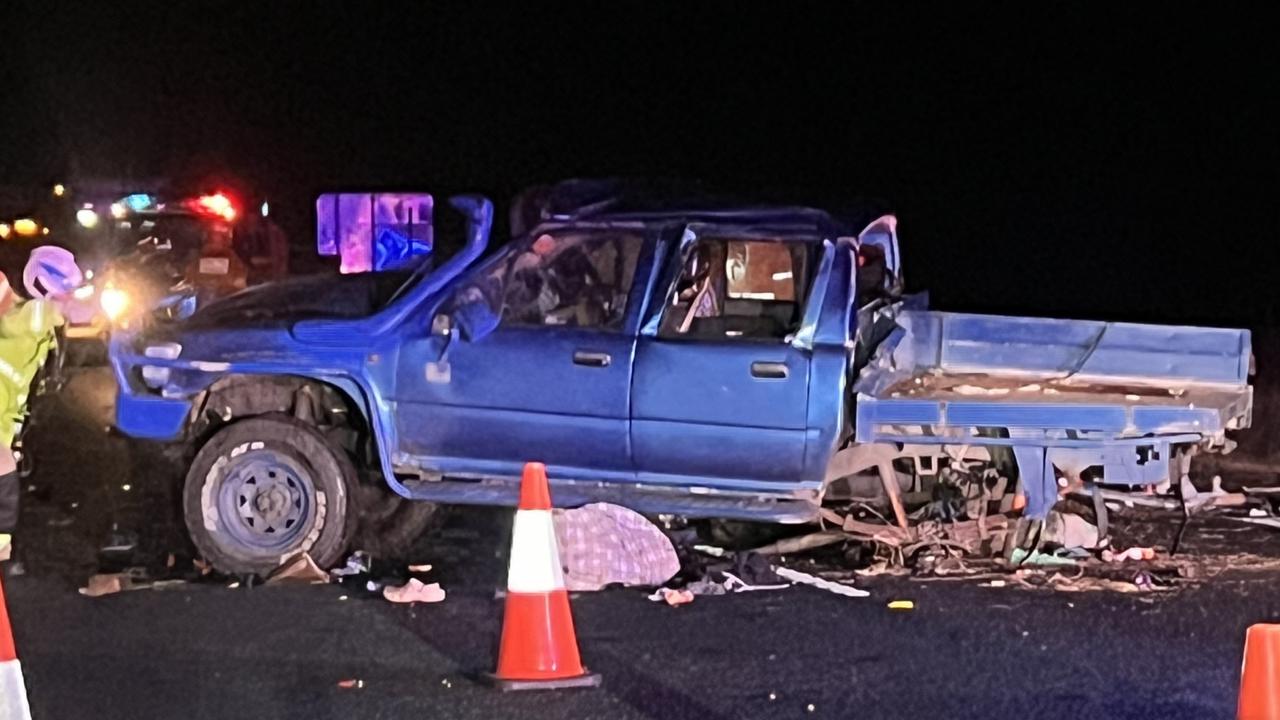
[(84, 292), (114, 302)]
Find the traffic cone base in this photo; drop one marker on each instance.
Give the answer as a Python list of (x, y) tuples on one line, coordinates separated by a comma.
[(588, 680), (544, 663), (539, 649)]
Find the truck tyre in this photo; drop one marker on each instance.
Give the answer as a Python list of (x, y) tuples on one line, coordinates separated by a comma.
[(265, 488), (389, 524)]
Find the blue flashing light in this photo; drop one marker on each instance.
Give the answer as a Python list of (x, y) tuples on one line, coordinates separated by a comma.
[(138, 202)]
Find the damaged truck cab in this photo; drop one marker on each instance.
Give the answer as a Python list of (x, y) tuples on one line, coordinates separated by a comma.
[(721, 362)]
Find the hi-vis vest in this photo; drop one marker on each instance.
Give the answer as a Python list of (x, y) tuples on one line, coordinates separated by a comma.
[(26, 337)]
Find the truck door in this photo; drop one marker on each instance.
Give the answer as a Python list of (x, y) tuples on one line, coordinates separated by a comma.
[(538, 366), (720, 393)]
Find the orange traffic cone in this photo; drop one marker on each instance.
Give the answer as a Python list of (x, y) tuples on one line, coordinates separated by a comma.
[(539, 647), (1260, 674), (13, 693)]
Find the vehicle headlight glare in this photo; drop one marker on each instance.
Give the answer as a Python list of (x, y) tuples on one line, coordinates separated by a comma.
[(114, 302)]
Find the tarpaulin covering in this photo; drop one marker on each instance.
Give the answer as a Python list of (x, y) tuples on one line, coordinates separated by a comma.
[(602, 544)]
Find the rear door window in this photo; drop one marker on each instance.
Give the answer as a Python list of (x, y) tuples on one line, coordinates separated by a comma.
[(740, 288)]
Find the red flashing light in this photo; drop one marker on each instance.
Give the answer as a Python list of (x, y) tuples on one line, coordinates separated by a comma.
[(217, 204)]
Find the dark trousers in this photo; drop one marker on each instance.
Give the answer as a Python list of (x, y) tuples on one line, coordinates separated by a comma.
[(9, 489)]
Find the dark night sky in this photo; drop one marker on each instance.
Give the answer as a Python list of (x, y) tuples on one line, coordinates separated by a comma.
[(1079, 161)]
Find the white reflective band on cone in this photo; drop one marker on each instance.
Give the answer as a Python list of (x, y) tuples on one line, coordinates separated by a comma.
[(535, 560), (13, 694)]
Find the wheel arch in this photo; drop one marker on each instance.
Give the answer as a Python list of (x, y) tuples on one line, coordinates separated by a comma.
[(337, 406)]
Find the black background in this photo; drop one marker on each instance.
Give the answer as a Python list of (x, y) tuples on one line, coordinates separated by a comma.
[(1068, 159)]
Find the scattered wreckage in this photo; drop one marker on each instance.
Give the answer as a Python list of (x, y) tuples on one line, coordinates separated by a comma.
[(699, 360)]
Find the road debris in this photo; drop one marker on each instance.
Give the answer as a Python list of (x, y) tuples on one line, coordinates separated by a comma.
[(707, 586), (351, 684), (358, 563), (1071, 530), (414, 592), (672, 596), (1142, 582), (602, 544), (803, 543), (105, 584), (1021, 556), (901, 605), (966, 528), (806, 579), (733, 583), (1133, 553), (299, 568), (119, 549)]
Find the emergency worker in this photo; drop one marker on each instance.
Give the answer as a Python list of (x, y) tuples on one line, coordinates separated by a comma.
[(26, 338)]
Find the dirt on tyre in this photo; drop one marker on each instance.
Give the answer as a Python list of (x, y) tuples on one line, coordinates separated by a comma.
[(264, 488)]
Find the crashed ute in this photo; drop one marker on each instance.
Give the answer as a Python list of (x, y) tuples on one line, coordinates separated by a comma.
[(704, 361)]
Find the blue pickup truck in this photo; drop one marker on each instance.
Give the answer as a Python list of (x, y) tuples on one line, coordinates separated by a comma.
[(710, 361)]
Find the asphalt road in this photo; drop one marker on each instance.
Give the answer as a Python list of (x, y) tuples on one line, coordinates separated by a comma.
[(207, 651)]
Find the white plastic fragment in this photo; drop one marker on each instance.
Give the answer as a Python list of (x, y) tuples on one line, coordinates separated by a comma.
[(806, 579)]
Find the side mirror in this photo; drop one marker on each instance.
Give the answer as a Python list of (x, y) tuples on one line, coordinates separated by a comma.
[(441, 324)]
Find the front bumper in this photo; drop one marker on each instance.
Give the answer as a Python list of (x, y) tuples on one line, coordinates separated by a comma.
[(149, 417), (140, 412)]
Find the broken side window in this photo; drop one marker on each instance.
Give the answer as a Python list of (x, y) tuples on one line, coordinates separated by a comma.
[(740, 288), (562, 278)]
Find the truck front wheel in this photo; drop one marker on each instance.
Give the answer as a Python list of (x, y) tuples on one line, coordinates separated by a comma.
[(265, 488)]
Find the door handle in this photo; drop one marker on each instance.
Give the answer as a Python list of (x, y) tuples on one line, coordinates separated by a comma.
[(769, 370), (591, 359)]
